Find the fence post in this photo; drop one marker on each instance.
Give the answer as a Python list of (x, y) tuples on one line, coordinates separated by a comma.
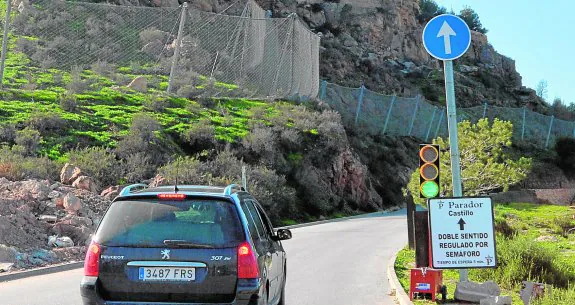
[(484, 110), (244, 178), (359, 103), (439, 124), (388, 114), (323, 90), (414, 115), (430, 123), (5, 41), (523, 125), (178, 45), (549, 132)]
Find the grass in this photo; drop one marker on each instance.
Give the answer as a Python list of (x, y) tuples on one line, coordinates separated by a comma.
[(520, 256), (105, 103), (105, 108)]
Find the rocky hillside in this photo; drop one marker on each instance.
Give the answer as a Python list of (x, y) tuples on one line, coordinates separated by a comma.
[(378, 42)]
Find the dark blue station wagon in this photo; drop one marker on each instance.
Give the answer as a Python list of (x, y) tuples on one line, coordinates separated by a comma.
[(185, 245)]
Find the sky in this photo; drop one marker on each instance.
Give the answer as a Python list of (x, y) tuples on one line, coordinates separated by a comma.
[(538, 35)]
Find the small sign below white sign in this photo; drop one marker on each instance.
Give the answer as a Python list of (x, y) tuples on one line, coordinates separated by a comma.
[(462, 233)]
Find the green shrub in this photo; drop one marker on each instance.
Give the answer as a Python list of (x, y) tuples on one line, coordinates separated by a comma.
[(68, 102), (330, 128), (145, 136), (145, 126), (201, 134), (14, 166), (290, 139), (186, 170), (46, 121), (154, 35), (485, 164), (25, 45), (189, 91), (503, 227), (102, 68), (561, 225), (98, 163), (7, 133), (259, 112), (261, 140), (269, 188), (429, 9), (523, 259), (158, 102), (472, 19), (557, 297), (29, 141), (138, 167), (77, 84), (194, 108)]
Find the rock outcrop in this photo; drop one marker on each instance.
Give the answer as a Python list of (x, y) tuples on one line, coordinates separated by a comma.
[(379, 43), (36, 216)]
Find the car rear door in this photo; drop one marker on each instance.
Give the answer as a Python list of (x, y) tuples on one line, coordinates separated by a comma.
[(164, 251), (262, 242), (278, 254)]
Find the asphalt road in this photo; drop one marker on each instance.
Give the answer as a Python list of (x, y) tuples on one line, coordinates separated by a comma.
[(340, 263)]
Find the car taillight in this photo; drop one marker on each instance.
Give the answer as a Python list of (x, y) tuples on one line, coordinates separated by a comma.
[(92, 259), (247, 263)]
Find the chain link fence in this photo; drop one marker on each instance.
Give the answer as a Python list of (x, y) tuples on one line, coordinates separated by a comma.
[(220, 55), (379, 114), (238, 52)]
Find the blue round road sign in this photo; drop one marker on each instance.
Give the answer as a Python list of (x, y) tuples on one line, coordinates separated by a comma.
[(446, 37)]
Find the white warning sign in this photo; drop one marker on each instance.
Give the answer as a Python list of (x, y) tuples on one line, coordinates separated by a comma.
[(462, 233)]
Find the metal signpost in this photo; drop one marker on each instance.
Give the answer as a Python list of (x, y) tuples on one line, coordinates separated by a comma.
[(447, 37), (462, 233)]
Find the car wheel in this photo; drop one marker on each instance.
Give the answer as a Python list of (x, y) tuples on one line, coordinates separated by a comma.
[(264, 298)]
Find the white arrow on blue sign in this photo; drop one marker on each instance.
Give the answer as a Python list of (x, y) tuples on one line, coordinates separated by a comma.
[(446, 37)]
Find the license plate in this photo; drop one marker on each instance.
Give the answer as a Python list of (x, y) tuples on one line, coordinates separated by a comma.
[(166, 274)]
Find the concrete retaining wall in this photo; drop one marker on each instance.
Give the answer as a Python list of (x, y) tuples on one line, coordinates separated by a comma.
[(564, 196)]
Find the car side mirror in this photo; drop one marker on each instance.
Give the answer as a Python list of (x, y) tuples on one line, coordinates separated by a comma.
[(283, 234)]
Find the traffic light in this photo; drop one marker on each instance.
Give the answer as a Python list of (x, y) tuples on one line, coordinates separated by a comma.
[(428, 170)]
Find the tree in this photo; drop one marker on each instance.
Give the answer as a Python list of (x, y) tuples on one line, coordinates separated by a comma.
[(472, 19), (485, 166), (560, 110), (429, 9), (541, 89)]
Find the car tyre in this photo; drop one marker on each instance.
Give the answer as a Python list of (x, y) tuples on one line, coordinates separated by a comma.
[(264, 298), (282, 297)]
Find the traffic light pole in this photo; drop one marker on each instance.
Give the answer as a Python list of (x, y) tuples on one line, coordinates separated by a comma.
[(453, 140)]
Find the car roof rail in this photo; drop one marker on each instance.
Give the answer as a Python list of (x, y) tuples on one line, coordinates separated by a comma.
[(130, 188), (233, 187)]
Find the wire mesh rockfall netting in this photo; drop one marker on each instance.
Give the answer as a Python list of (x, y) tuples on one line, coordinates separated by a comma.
[(247, 55), (379, 114)]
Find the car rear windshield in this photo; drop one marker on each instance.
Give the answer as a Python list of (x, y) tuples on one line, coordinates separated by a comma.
[(155, 223)]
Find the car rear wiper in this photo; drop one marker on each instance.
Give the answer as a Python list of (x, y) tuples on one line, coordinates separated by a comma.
[(185, 243)]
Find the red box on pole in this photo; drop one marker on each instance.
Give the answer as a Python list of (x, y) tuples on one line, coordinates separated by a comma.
[(426, 281)]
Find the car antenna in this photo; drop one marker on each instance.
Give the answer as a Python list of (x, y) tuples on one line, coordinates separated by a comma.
[(176, 182)]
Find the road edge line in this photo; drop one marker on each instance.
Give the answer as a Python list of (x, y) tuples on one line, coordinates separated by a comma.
[(315, 223), (40, 271), (400, 296)]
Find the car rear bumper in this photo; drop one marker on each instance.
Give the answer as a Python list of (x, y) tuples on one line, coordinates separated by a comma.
[(247, 293)]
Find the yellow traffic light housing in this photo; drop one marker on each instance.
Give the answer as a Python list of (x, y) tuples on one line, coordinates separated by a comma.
[(428, 170)]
